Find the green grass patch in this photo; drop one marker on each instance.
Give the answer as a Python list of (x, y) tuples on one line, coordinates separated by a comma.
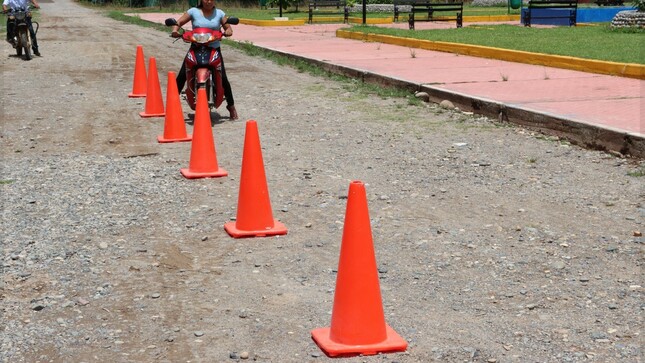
[(590, 42), (640, 172)]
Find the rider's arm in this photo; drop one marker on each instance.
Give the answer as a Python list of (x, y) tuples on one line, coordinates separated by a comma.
[(4, 5), (183, 19), (228, 30), (35, 4)]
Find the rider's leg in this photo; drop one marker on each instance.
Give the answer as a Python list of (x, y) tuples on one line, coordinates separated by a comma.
[(181, 77), (228, 93), (11, 31), (34, 42)]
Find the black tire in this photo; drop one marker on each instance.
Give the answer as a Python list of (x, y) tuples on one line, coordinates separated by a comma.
[(18, 50), (25, 44)]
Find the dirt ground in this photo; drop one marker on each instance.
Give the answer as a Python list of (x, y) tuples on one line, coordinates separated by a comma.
[(493, 244)]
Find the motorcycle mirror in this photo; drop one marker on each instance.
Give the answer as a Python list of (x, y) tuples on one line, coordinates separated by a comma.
[(233, 21), (171, 22)]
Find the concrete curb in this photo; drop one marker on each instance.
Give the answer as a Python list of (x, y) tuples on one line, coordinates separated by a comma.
[(577, 132), (630, 70)]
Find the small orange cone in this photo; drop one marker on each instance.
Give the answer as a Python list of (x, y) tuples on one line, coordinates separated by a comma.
[(139, 83), (357, 321), (203, 159), (174, 125), (254, 216), (154, 102)]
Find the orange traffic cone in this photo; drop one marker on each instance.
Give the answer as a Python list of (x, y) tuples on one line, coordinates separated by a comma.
[(254, 216), (174, 125), (357, 322), (154, 103), (203, 159), (139, 83)]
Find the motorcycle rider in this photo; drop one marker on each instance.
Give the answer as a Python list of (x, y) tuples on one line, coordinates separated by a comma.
[(206, 15), (11, 24)]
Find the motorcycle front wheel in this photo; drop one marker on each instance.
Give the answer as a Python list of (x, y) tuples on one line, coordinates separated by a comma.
[(24, 41), (18, 47)]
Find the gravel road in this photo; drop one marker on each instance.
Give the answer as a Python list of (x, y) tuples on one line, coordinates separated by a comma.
[(493, 243)]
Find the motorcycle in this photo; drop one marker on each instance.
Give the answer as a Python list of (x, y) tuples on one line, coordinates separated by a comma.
[(23, 37), (203, 64)]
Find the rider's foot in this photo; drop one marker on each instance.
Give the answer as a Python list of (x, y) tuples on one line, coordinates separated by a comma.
[(12, 42), (36, 52), (232, 112)]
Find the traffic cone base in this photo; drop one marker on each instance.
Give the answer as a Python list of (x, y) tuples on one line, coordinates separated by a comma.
[(277, 229), (392, 343), (138, 95), (162, 140), (145, 115), (196, 175)]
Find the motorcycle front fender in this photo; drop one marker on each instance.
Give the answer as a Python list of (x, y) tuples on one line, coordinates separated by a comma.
[(202, 75)]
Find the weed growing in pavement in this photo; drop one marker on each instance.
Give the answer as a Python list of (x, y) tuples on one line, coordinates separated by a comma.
[(638, 172), (9, 181)]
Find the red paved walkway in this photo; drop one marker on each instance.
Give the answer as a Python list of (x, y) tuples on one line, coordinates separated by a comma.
[(605, 102)]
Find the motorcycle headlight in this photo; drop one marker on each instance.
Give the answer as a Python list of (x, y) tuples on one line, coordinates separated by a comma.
[(203, 38)]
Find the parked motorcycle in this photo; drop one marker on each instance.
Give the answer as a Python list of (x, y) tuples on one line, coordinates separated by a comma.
[(23, 36), (203, 64)]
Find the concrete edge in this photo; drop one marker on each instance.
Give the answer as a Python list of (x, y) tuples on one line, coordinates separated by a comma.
[(630, 70), (579, 133)]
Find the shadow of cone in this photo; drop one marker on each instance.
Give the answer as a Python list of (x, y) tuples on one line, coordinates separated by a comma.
[(357, 321), (174, 125), (154, 102), (254, 215), (140, 82), (203, 158)]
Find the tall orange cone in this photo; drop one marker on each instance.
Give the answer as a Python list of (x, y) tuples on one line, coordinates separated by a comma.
[(139, 83), (154, 102), (254, 216), (203, 159), (357, 322), (174, 125)]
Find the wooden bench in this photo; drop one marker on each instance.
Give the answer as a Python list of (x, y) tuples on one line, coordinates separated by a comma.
[(333, 4), (431, 8), (400, 3), (562, 9)]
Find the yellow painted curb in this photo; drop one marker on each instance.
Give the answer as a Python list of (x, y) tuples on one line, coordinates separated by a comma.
[(631, 70), (487, 18), (294, 22), (355, 20)]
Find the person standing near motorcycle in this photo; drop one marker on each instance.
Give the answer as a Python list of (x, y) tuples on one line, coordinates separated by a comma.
[(11, 25), (206, 15)]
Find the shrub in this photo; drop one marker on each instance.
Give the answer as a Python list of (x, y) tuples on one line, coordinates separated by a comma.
[(639, 5), (485, 3)]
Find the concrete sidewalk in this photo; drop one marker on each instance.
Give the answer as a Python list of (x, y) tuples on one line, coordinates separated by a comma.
[(592, 110)]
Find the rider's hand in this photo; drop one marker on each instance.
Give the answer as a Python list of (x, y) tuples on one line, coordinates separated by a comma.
[(175, 34), (228, 32)]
